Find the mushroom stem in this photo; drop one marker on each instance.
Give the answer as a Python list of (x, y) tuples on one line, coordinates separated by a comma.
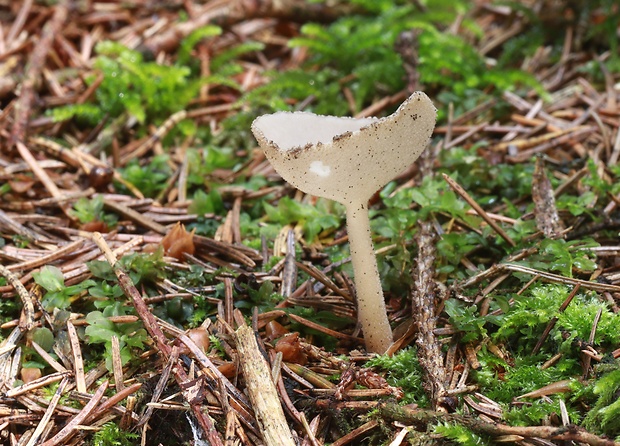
[(370, 303)]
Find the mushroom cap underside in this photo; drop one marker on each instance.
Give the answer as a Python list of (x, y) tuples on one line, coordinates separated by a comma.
[(345, 159)]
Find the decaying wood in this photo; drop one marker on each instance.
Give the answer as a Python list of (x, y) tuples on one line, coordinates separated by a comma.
[(262, 390)]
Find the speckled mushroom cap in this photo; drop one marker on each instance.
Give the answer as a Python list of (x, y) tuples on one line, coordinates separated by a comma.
[(345, 159)]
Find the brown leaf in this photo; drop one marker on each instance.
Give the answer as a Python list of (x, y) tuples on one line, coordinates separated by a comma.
[(178, 241)]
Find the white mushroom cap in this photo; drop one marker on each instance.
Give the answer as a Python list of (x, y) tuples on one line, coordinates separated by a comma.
[(345, 159)]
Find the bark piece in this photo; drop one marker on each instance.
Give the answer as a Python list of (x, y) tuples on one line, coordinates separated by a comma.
[(262, 390)]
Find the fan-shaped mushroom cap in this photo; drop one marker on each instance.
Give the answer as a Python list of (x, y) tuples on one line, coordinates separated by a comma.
[(345, 159)]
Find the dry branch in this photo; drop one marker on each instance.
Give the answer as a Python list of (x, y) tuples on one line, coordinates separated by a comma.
[(263, 393), (424, 315), (423, 418)]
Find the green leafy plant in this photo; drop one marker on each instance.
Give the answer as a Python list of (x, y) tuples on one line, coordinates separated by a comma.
[(465, 318), (150, 178), (604, 417), (146, 90), (325, 215), (460, 434), (563, 257), (57, 294), (362, 50), (87, 210), (110, 434), (100, 330), (143, 269), (404, 371)]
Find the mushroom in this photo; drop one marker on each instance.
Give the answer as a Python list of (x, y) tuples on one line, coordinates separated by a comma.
[(348, 160)]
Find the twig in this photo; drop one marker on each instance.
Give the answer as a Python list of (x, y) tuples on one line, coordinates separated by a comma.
[(78, 363), (356, 434), (416, 417), (560, 279), (150, 324), (159, 388), (262, 391), (134, 216), (42, 175), (423, 308)]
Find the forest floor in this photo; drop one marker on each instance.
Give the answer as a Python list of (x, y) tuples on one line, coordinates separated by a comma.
[(161, 284)]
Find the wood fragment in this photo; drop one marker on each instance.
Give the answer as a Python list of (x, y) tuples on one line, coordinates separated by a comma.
[(545, 210), (78, 363), (424, 312), (262, 391)]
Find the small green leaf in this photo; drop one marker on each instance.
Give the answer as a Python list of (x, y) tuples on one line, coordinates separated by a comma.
[(50, 278)]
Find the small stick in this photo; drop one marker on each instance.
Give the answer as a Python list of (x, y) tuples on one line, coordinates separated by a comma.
[(587, 359), (356, 434), (423, 293), (159, 388), (560, 279), (463, 193), (409, 416), (48, 358), (135, 216), (262, 391), (36, 384), (109, 403)]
